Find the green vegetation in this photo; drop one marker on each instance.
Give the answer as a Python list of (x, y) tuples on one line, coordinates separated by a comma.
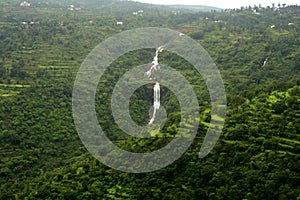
[(42, 157)]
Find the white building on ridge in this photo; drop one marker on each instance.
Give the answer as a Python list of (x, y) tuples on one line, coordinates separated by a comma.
[(25, 4)]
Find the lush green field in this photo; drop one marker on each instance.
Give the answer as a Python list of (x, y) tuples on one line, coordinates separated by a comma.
[(42, 156)]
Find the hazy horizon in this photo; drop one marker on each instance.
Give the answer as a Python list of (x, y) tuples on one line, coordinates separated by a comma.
[(221, 4)]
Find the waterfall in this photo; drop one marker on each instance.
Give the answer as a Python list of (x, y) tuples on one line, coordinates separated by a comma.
[(154, 65), (265, 62), (156, 104), (156, 89)]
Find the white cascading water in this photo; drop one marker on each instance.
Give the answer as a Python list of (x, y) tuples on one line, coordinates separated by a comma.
[(154, 67), (265, 62), (156, 96), (156, 104)]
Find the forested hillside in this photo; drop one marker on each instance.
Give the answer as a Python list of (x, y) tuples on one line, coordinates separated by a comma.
[(256, 50)]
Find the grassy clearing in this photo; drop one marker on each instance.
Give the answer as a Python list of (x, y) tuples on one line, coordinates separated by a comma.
[(8, 90), (242, 143), (280, 33), (287, 152), (206, 124), (286, 146), (8, 93), (217, 118), (53, 67), (14, 85), (287, 140)]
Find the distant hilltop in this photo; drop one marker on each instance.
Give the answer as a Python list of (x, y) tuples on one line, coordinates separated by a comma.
[(93, 3), (196, 8)]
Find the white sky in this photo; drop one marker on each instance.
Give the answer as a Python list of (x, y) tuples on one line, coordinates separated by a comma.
[(223, 3)]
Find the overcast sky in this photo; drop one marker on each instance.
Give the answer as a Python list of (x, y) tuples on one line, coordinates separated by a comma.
[(223, 3)]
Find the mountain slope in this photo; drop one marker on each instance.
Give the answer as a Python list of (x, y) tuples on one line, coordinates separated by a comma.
[(196, 8)]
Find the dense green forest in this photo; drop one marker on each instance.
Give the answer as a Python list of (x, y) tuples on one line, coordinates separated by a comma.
[(256, 50)]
